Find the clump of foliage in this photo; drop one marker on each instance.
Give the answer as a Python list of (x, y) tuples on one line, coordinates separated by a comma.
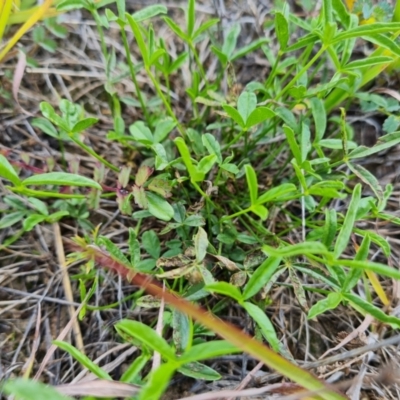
[(204, 177)]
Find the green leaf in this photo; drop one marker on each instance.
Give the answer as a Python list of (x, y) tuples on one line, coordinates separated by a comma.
[(230, 40), (163, 128), (258, 116), (384, 42), (159, 207), (149, 12), (84, 124), (195, 175), (319, 115), (251, 47), (368, 62), (234, 114), (343, 238), (83, 359), (367, 178), (204, 26), (7, 171), (226, 289), (206, 163), (68, 5), (182, 330), (47, 127), (261, 276), (369, 308), (194, 220), (199, 371), (191, 17), (141, 133), (260, 211), (297, 249), (114, 250), (151, 243), (246, 104), (294, 147), (330, 303), (329, 228), (212, 146), (39, 205), (251, 178), (27, 389), (369, 29), (175, 28), (11, 219), (205, 351), (200, 244), (281, 29), (147, 336), (158, 382), (32, 220), (354, 275), (266, 327), (62, 179), (134, 247), (276, 193), (139, 38), (378, 268), (232, 168)]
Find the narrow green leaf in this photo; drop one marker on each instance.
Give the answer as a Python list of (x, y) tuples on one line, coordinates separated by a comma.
[(212, 146), (354, 275), (32, 220), (378, 268), (11, 219), (319, 115), (343, 238), (7, 171), (281, 29), (368, 62), (329, 228), (384, 42), (84, 124), (234, 114), (61, 179), (226, 289), (246, 104), (368, 29), (205, 351), (251, 178), (206, 163), (26, 389), (203, 27), (159, 207), (191, 17), (197, 370), (266, 327), (305, 142), (158, 382), (297, 249), (369, 308), (294, 147), (47, 127), (83, 359), (184, 151), (330, 303), (182, 331), (367, 178), (149, 12), (230, 40), (261, 276), (176, 29), (139, 38), (259, 115), (147, 336), (251, 47), (200, 244), (276, 193)]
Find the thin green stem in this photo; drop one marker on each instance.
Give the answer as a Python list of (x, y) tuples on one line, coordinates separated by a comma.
[(133, 74)]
